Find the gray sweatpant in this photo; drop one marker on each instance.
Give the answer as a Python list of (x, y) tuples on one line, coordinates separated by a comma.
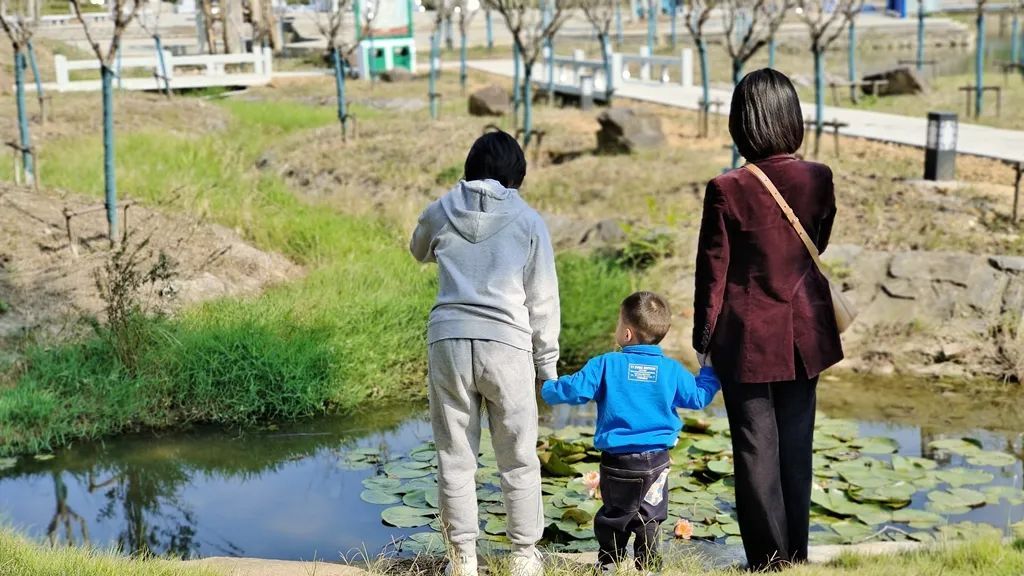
[(465, 376)]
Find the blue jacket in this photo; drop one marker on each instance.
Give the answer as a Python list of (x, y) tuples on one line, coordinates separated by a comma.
[(637, 392)]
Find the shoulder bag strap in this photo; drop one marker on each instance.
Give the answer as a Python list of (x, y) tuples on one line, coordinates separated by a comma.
[(793, 220)]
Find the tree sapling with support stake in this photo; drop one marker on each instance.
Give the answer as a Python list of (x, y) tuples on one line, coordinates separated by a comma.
[(600, 13), (530, 31), (340, 51), (122, 13), (979, 60), (696, 15), (825, 21), (19, 26), (466, 9)]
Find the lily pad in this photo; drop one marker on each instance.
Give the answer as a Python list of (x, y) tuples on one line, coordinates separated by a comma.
[(417, 499), (961, 446), (876, 445), (379, 497), (381, 483), (578, 516), (554, 465), (904, 463), (429, 543), (722, 467), (895, 495), (713, 445), (852, 532), (406, 517), (959, 497), (958, 477), (6, 463), (406, 470), (495, 525), (873, 515), (991, 458), (919, 519)]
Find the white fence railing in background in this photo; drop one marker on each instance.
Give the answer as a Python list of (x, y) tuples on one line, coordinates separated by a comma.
[(205, 71), (624, 68)]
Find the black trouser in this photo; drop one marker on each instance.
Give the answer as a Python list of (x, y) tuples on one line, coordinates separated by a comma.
[(772, 438), (626, 480)]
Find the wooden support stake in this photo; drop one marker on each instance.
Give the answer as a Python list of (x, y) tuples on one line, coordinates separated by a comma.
[(1016, 191)]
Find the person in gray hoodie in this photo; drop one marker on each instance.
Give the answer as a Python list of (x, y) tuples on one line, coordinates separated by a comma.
[(492, 334)]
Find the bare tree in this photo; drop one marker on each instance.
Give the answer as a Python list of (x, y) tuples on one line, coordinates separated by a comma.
[(749, 25), (696, 14), (466, 10), (19, 26), (600, 14), (209, 21), (530, 29), (825, 21), (260, 13), (339, 49), (151, 24), (442, 13), (122, 13)]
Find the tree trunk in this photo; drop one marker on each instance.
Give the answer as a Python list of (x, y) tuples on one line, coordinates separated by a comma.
[(527, 106), (979, 65), (163, 65), (339, 88), (618, 24), (819, 95), (673, 19), (609, 82), (705, 83), (920, 35), (462, 55), (851, 59), (25, 140), (490, 31), (737, 75), (207, 25), (109, 178), (40, 95), (771, 52), (435, 48), (652, 26), (516, 92), (1015, 38), (232, 18)]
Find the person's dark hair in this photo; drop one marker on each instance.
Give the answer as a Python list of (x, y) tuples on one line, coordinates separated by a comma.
[(648, 315), (765, 117), (496, 156)]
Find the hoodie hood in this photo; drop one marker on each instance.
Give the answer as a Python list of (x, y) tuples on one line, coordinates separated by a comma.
[(480, 209)]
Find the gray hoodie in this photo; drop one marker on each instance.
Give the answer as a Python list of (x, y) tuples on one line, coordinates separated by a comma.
[(496, 268)]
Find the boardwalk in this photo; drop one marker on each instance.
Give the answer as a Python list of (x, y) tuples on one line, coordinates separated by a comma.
[(975, 140)]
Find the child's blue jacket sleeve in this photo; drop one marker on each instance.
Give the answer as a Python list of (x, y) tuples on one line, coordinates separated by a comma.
[(578, 388), (697, 393)]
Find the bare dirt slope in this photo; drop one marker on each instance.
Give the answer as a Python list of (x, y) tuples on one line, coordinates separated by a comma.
[(45, 286)]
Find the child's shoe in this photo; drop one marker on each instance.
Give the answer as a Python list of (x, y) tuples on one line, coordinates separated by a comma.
[(461, 565), (530, 563)]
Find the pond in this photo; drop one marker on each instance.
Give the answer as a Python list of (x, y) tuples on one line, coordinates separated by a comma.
[(293, 492)]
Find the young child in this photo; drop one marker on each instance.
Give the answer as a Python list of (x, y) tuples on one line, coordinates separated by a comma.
[(637, 392), (492, 334)]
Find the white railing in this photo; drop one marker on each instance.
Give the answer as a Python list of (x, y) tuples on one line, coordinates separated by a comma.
[(664, 69), (209, 70), (567, 71)]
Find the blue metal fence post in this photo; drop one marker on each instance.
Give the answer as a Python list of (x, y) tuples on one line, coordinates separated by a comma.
[(979, 66), (25, 140), (109, 182), (771, 52), (705, 82), (920, 35), (527, 109)]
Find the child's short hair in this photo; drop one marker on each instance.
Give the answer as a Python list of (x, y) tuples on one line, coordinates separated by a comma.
[(648, 315), (496, 156)]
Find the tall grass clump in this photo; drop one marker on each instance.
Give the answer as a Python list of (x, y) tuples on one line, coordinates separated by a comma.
[(20, 557), (351, 331)]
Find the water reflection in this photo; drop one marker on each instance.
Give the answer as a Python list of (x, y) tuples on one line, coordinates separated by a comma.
[(281, 493)]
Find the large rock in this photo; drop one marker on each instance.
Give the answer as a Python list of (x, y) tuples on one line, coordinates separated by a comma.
[(901, 80), (492, 100), (624, 130), (396, 75)]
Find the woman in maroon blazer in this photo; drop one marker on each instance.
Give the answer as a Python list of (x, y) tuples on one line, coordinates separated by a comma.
[(763, 314)]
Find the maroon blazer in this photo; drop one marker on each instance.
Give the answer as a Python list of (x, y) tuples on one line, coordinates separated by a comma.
[(759, 298)]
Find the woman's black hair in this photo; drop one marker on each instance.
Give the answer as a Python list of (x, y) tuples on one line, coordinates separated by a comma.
[(496, 156), (765, 117)]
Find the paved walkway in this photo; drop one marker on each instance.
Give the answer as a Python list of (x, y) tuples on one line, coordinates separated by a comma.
[(973, 139)]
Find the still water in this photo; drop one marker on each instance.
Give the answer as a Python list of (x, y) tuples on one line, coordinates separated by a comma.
[(281, 493)]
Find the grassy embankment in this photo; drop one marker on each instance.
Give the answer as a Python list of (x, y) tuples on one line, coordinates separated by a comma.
[(19, 557), (350, 332)]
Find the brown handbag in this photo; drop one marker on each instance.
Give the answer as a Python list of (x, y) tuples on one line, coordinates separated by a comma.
[(844, 309)]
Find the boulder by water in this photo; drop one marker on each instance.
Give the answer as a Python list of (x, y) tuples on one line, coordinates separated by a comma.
[(492, 100), (624, 130), (902, 80)]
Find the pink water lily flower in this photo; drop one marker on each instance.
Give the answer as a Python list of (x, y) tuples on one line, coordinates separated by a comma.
[(684, 529), (592, 480)]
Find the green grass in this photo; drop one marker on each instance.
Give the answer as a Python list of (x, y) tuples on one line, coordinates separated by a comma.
[(20, 557), (352, 330)]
